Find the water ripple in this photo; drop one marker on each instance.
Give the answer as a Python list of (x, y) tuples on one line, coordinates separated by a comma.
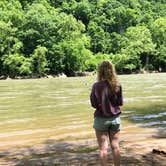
[(153, 123), (149, 116)]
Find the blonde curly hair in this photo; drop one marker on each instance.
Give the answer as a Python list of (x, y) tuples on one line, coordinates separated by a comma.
[(106, 71)]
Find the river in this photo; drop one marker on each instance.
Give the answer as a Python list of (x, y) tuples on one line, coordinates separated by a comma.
[(35, 111)]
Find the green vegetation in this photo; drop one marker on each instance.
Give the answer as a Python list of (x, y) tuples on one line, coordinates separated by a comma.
[(39, 37)]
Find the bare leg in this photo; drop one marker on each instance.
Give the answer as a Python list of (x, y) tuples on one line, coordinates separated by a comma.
[(114, 142), (102, 138)]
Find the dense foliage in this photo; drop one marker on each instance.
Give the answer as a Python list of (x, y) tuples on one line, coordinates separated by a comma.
[(39, 37)]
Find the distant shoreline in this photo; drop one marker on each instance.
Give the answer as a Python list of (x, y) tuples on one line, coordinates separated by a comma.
[(81, 74)]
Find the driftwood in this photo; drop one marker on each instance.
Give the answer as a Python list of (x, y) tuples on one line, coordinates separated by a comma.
[(158, 151)]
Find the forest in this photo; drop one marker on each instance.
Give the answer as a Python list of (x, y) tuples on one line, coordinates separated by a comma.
[(50, 37)]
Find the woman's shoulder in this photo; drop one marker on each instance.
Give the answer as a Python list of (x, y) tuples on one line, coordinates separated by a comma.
[(119, 84), (102, 82), (98, 83), (119, 87)]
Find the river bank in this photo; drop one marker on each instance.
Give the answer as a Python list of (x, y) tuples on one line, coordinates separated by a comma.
[(141, 149), (84, 153), (77, 74)]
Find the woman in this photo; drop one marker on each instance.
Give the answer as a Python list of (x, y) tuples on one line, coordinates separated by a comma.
[(106, 98)]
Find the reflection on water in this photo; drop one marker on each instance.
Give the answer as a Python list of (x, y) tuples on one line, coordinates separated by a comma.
[(59, 108)]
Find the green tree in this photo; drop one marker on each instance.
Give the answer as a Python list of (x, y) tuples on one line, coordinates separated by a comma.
[(12, 12), (100, 40), (139, 47), (9, 44), (68, 34), (26, 68), (12, 64), (159, 37), (83, 11), (55, 58), (159, 31), (38, 26), (92, 60), (79, 33), (76, 54), (39, 60), (121, 62)]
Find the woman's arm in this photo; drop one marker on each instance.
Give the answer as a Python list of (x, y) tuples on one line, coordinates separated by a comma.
[(120, 96), (93, 98)]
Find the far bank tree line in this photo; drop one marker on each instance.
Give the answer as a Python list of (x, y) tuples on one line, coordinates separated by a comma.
[(40, 37)]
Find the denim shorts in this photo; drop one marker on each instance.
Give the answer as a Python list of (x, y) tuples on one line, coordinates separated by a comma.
[(107, 124)]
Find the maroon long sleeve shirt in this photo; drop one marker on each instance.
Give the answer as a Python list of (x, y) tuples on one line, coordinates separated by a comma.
[(106, 103)]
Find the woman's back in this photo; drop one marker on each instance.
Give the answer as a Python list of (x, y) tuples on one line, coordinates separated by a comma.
[(105, 100)]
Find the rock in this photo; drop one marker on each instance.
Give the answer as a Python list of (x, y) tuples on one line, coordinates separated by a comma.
[(158, 151), (8, 78), (3, 77), (62, 75), (49, 76)]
